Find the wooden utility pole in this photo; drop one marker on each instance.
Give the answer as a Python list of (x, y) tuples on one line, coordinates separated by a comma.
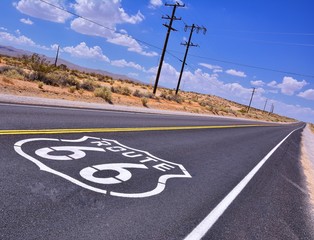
[(56, 60), (188, 45), (265, 105), (169, 26), (248, 109)]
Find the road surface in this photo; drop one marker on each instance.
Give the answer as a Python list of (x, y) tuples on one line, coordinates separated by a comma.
[(122, 175)]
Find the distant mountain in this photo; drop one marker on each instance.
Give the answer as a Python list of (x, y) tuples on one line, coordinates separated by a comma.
[(15, 52)]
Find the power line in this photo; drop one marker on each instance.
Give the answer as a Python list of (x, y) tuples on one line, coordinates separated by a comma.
[(266, 42), (201, 57), (98, 24), (268, 33), (252, 66)]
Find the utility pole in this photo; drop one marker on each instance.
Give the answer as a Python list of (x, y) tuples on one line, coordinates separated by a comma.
[(57, 56), (188, 45), (265, 105), (170, 28), (271, 109), (248, 109)]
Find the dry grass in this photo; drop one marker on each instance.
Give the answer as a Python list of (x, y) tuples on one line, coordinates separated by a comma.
[(312, 127), (75, 85)]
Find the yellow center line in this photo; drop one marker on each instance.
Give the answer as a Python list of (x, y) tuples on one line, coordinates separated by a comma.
[(136, 129)]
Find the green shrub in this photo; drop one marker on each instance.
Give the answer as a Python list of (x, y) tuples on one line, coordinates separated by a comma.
[(104, 93)]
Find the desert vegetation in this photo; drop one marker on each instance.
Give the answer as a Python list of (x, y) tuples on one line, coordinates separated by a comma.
[(34, 75)]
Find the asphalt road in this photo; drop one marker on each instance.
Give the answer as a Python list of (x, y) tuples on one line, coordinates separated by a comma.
[(148, 183)]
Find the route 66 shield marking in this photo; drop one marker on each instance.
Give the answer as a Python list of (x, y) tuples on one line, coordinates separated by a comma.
[(102, 165)]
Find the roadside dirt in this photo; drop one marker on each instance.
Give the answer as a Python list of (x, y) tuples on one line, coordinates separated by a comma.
[(307, 160)]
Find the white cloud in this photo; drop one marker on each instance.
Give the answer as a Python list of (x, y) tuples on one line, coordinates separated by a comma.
[(215, 68), (168, 76), (19, 39), (3, 29), (290, 85), (54, 47), (124, 63), (83, 51), (109, 13), (301, 113), (257, 83), (272, 84), (26, 21), (308, 94), (39, 9), (155, 3), (273, 91), (236, 73), (131, 44)]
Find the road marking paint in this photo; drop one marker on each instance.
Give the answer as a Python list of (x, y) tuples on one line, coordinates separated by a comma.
[(136, 129), (203, 227), (110, 155)]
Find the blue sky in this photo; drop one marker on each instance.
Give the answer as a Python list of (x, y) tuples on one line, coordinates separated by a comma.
[(266, 44)]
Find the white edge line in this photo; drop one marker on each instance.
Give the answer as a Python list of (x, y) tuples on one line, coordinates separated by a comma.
[(203, 227)]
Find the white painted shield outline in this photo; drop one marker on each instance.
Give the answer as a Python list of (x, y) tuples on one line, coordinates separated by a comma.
[(158, 189)]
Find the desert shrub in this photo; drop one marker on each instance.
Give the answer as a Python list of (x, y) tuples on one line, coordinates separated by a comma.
[(126, 91), (40, 85), (164, 95), (176, 98), (3, 69), (101, 78), (104, 93), (12, 72), (40, 64), (204, 103), (54, 79), (209, 108), (144, 101), (121, 90), (87, 85), (117, 90), (72, 89), (243, 110), (69, 81), (138, 93)]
